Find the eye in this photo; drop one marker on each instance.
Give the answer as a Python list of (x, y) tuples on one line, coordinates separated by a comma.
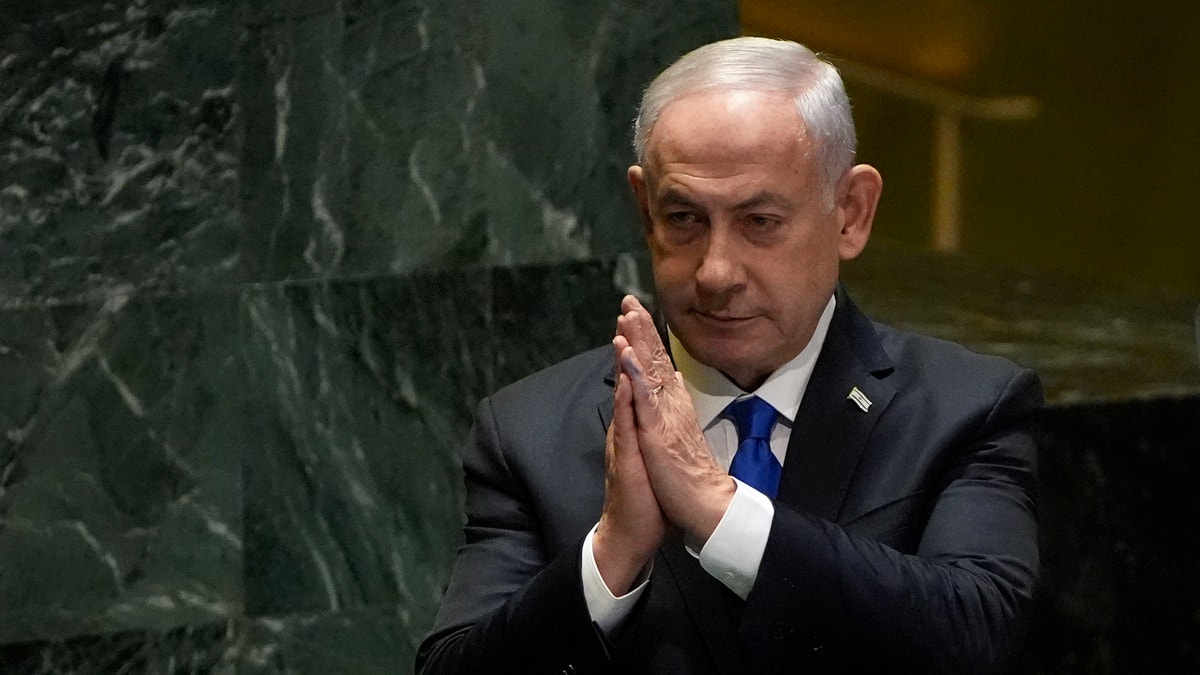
[(762, 222), (680, 226), (682, 219)]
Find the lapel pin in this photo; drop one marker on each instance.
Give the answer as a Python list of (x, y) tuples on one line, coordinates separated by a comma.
[(860, 399)]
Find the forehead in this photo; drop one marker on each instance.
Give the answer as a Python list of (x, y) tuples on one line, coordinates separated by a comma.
[(724, 118), (729, 134)]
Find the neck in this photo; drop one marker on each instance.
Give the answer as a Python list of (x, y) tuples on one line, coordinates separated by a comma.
[(748, 381)]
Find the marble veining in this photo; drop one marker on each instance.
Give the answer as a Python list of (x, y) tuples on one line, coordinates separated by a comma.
[(156, 147), (123, 457)]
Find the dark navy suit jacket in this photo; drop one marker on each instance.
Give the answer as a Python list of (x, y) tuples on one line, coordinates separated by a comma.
[(904, 537)]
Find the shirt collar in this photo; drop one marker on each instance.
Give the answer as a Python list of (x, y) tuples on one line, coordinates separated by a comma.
[(712, 391)]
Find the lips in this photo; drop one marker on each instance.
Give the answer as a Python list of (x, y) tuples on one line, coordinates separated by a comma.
[(720, 318)]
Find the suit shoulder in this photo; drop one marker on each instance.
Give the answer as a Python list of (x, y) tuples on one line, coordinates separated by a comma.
[(563, 381), (948, 365), (965, 394)]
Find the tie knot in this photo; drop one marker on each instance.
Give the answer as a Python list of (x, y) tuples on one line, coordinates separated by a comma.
[(753, 418)]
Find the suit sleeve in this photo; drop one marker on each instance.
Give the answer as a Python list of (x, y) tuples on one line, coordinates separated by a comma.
[(507, 607), (956, 604)]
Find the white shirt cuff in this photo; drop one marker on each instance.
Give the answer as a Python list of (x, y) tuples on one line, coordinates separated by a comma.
[(606, 609), (735, 550)]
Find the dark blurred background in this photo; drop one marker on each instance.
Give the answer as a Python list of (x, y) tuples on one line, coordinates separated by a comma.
[(1100, 182)]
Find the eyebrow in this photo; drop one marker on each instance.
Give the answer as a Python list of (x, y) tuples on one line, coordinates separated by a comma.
[(763, 198), (674, 196)]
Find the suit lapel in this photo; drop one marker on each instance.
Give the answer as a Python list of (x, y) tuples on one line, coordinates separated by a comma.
[(831, 429)]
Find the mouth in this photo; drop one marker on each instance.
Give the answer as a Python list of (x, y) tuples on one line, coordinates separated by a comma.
[(721, 318)]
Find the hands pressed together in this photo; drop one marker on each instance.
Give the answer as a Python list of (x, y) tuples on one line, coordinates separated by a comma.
[(660, 472)]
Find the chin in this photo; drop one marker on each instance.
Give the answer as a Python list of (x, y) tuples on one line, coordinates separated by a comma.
[(727, 355)]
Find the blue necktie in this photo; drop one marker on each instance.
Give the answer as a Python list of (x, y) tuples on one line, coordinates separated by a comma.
[(753, 463)]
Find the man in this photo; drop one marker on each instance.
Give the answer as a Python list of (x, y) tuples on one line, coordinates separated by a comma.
[(881, 516)]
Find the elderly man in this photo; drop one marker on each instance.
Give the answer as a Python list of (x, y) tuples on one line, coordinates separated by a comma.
[(789, 487)]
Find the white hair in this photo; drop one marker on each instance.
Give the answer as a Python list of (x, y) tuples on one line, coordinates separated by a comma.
[(764, 65)]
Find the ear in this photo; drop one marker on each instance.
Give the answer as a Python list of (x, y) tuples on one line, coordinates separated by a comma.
[(857, 196), (637, 183)]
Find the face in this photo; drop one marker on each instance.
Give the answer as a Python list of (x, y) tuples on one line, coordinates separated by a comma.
[(744, 250)]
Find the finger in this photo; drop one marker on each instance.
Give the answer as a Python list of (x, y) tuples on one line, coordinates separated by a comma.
[(628, 323), (623, 406), (630, 303), (638, 326), (634, 319), (619, 344), (643, 338), (645, 388), (625, 329), (654, 352), (622, 417), (624, 430)]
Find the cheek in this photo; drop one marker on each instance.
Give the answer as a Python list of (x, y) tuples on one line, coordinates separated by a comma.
[(671, 268), (670, 283), (794, 286)]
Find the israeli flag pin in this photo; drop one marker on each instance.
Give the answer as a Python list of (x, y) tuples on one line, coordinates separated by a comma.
[(860, 399)]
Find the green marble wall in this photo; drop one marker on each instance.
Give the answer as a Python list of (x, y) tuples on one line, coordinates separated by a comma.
[(259, 259)]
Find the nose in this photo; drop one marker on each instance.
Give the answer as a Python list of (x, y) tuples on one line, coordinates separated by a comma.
[(720, 271)]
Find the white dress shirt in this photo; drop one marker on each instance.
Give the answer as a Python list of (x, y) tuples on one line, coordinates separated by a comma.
[(734, 551)]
